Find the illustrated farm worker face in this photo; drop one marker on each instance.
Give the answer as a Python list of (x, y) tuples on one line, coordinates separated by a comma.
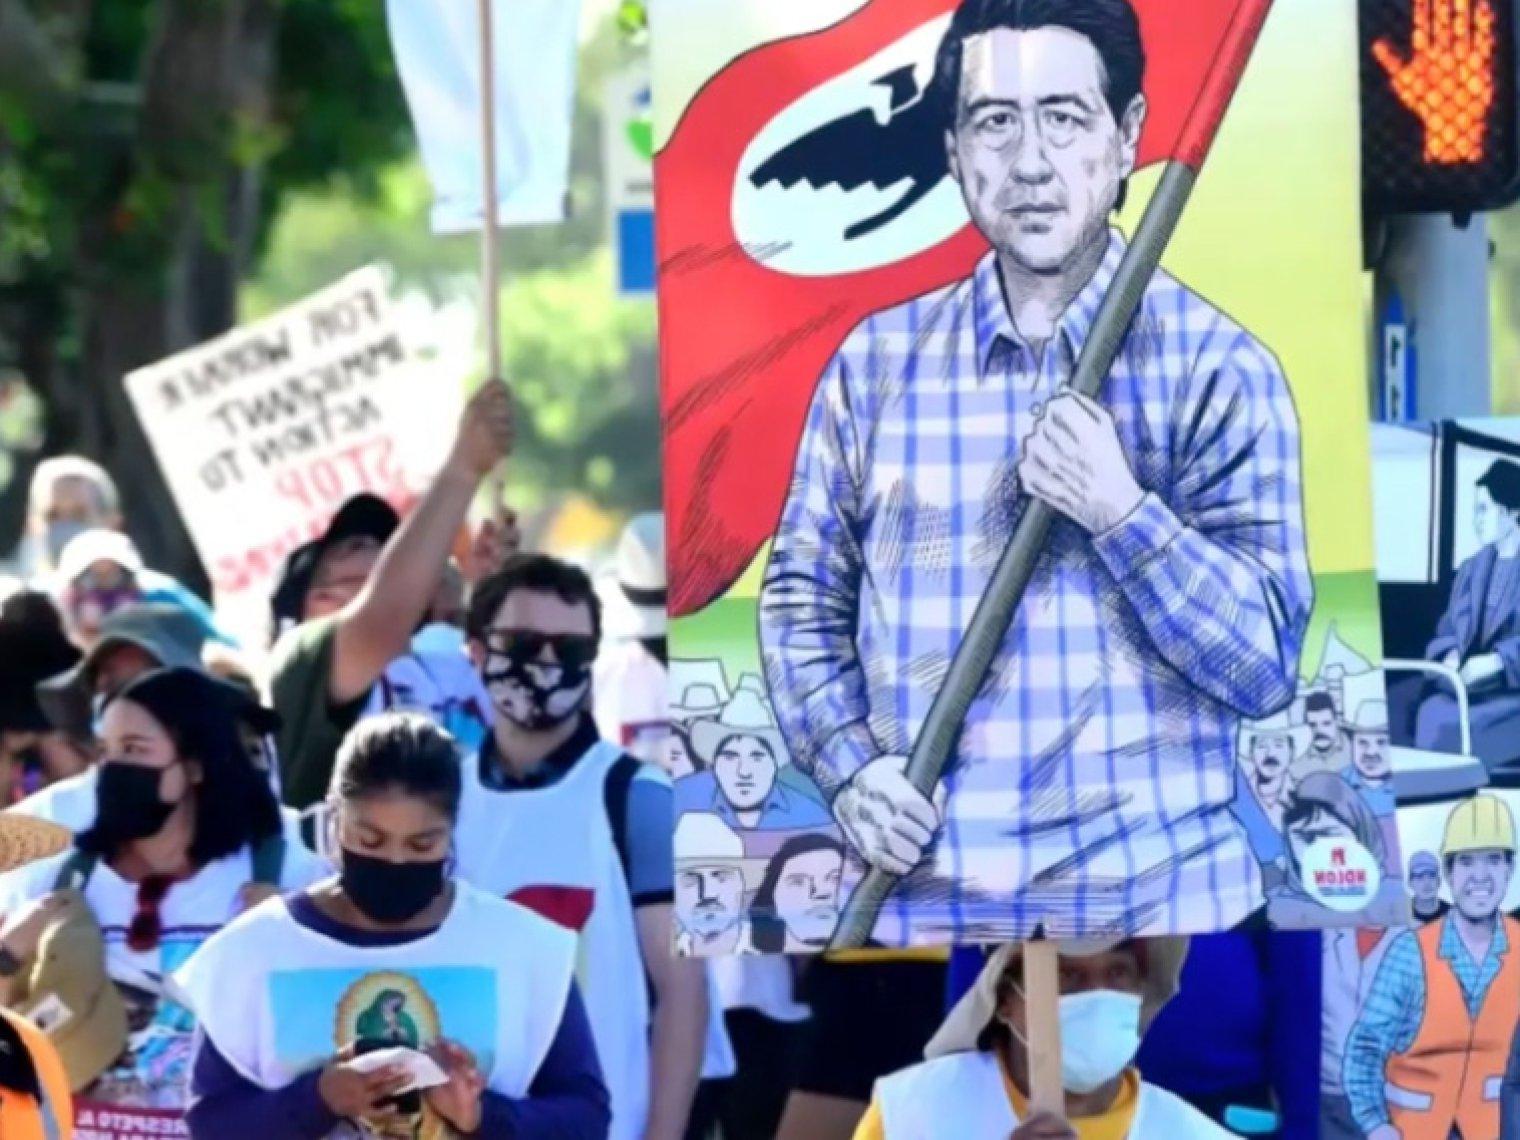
[(709, 897), (1425, 877), (679, 761), (1271, 753), (1319, 716), (807, 896), (709, 874), (1369, 751), (745, 768), (1045, 111), (1496, 507), (1369, 741)]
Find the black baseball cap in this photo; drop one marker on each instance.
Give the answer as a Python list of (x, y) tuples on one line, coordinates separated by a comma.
[(363, 516)]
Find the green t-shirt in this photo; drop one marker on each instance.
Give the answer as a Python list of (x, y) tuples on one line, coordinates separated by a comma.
[(311, 728)]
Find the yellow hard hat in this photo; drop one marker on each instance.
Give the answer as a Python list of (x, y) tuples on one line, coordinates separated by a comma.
[(1483, 823)]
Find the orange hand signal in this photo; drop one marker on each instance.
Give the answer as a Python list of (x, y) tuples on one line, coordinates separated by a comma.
[(1446, 80)]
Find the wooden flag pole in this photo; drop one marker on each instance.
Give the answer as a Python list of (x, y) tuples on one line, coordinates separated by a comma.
[(490, 233), (1042, 1018)]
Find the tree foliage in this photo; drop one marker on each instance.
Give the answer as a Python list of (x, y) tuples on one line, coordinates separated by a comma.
[(581, 360)]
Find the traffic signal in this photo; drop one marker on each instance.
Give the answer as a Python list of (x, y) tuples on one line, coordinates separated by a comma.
[(1439, 105)]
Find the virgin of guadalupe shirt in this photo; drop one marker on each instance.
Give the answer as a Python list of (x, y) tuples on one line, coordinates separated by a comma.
[(492, 977), (154, 1071), (567, 1098)]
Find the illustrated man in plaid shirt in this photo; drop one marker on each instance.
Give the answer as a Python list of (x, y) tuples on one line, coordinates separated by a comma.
[(1091, 787)]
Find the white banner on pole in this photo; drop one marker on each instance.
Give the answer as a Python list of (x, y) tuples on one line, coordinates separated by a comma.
[(437, 48), (263, 433)]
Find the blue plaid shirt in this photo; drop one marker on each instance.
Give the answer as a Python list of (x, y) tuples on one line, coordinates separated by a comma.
[(1395, 1008), (1092, 785)]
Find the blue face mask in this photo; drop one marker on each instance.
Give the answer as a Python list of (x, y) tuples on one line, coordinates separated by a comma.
[(1100, 1035)]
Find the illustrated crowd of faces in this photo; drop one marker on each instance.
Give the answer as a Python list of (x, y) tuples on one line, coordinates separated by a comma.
[(759, 860), (1321, 770)]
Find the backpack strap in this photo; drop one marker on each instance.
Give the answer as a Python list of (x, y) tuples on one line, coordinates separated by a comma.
[(76, 871), (269, 860), (619, 780)]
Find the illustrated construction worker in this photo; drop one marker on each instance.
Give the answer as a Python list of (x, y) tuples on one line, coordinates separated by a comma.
[(1427, 1056)]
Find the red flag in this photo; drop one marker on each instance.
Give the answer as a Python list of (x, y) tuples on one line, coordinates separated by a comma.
[(744, 331)]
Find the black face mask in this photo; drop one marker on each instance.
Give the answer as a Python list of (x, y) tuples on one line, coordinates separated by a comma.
[(129, 803), (390, 893), (534, 706)]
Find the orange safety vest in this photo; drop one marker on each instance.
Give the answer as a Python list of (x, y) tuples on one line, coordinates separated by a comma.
[(1452, 1074), (21, 1117)]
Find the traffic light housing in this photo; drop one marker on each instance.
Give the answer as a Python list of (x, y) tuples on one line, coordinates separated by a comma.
[(1439, 105)]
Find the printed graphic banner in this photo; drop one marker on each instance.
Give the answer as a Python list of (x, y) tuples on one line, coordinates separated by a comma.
[(887, 232), (263, 433)]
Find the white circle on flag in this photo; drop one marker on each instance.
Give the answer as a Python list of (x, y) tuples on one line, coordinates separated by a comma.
[(803, 229)]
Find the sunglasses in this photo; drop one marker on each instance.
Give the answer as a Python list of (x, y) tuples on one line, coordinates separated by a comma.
[(147, 925), (521, 646)]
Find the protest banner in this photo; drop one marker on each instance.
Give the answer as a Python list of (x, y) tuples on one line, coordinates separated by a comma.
[(889, 236), (263, 433), (94, 1121)]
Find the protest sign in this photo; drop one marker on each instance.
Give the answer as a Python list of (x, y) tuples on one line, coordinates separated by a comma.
[(94, 1121), (263, 433), (887, 235)]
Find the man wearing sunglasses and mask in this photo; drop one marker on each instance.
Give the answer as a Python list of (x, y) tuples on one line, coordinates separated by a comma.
[(570, 826)]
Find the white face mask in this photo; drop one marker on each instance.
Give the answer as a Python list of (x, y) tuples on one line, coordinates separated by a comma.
[(1100, 1035)]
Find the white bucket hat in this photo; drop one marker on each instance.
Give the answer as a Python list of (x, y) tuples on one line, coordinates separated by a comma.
[(975, 1011)]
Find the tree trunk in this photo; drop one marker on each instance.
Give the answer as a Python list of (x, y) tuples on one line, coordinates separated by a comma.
[(209, 66)]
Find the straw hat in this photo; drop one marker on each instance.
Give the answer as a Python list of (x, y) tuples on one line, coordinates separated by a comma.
[(975, 1011), (745, 715), (24, 839)]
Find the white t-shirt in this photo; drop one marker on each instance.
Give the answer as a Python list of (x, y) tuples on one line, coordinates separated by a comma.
[(154, 1072)]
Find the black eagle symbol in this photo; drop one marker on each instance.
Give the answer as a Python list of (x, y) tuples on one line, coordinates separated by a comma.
[(855, 150)]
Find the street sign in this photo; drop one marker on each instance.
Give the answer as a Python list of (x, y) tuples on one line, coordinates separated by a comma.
[(1396, 357), (628, 142)]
